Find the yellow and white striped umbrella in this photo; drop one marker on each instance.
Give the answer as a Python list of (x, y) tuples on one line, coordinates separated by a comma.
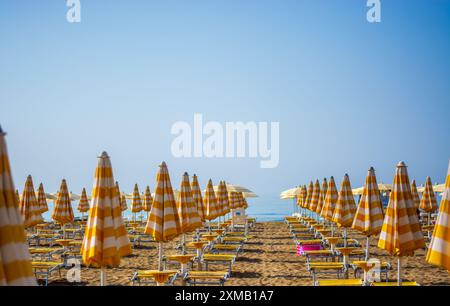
[(345, 209), (210, 202), (309, 193), (41, 198), (29, 206), (428, 202), (225, 201), (62, 211), (219, 208), (186, 207), (136, 203), (301, 197), (369, 214), (123, 203), (122, 198), (222, 198), (163, 223), (83, 205), (105, 240), (401, 234), (330, 200), (415, 194), (439, 248), (315, 197), (15, 263), (232, 199), (148, 200), (323, 192), (197, 197)]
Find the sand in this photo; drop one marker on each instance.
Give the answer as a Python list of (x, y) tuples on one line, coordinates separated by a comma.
[(269, 259)]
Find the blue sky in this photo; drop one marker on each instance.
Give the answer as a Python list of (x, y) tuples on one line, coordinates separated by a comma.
[(348, 94)]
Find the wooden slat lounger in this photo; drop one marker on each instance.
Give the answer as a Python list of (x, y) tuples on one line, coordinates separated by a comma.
[(219, 259), (339, 282), (45, 268), (148, 277), (193, 278)]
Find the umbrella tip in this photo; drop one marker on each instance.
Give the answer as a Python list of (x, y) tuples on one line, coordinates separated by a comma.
[(185, 173), (371, 169), (163, 164), (1, 131), (401, 164), (104, 155)]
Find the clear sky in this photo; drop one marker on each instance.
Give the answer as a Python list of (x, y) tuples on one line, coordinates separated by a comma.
[(348, 94)]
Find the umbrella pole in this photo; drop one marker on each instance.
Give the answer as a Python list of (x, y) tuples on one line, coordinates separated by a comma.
[(102, 276), (183, 244), (345, 237), (399, 279), (160, 256), (429, 218), (367, 248)]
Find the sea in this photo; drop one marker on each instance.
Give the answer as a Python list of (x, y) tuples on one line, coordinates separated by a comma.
[(264, 208)]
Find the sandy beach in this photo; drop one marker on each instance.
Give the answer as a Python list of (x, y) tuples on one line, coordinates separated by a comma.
[(269, 259)]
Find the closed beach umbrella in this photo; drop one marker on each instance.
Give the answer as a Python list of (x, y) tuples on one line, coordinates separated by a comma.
[(225, 201), (123, 203), (163, 224), (315, 197), (428, 202), (15, 263), (197, 197), (309, 193), (330, 200), (186, 208), (301, 196), (122, 199), (232, 199), (415, 194), (148, 200), (369, 214), (41, 198), (210, 202), (439, 248), (136, 203), (323, 192), (62, 212), (219, 195), (345, 209), (83, 204), (401, 234), (29, 206), (105, 240)]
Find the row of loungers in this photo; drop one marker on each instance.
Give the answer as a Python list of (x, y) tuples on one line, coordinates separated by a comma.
[(326, 252), (222, 251)]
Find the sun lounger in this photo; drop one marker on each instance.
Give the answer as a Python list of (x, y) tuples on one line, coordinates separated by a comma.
[(239, 240), (384, 268), (316, 268), (393, 284), (339, 282), (45, 268), (233, 248), (45, 252), (224, 259), (322, 254), (149, 277), (193, 278)]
